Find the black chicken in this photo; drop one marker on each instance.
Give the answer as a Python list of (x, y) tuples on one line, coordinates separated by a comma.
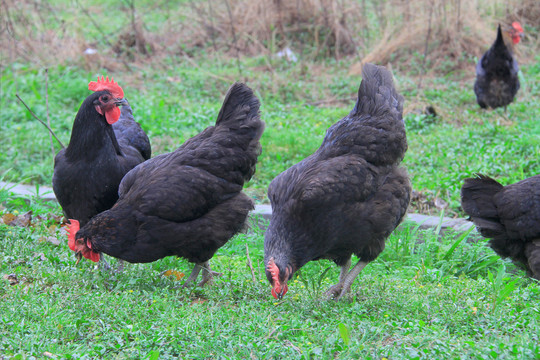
[(508, 215), (105, 144), (187, 203), (348, 196), (497, 80)]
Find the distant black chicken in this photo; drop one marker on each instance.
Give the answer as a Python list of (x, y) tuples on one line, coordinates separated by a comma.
[(508, 215), (105, 144), (187, 203), (497, 80), (348, 196)]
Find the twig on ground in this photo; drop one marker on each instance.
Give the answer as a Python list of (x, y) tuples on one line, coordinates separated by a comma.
[(47, 105), (41, 121), (194, 63), (330, 101), (250, 264)]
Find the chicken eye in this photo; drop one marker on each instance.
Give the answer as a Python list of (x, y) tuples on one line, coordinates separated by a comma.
[(105, 98)]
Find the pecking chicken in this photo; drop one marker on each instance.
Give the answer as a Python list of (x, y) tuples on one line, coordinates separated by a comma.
[(348, 196), (105, 144), (497, 80), (186, 203), (508, 215)]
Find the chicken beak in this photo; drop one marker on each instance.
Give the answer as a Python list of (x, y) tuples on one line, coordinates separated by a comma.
[(79, 257), (120, 101)]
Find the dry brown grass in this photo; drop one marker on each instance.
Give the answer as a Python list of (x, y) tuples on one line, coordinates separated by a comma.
[(431, 35), (324, 27), (443, 32)]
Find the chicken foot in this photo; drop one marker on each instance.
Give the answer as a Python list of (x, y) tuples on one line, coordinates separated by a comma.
[(345, 281), (207, 275), (335, 290), (104, 264)]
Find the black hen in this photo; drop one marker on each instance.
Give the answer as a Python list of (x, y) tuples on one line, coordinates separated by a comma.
[(497, 80), (187, 203), (508, 215), (105, 144), (348, 196)]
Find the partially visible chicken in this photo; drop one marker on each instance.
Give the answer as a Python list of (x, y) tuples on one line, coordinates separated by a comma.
[(497, 80), (187, 203), (508, 215), (348, 196), (105, 144)]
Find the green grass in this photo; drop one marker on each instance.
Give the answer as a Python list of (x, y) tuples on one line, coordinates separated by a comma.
[(462, 140), (424, 297)]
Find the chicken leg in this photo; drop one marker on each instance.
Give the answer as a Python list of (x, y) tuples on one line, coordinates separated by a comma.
[(208, 274), (335, 290), (345, 281)]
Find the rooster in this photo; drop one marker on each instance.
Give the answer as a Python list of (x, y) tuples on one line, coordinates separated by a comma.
[(508, 215), (348, 196), (497, 80), (105, 144), (187, 203)]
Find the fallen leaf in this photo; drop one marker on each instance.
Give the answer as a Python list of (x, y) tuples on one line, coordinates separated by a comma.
[(199, 301), (52, 229), (23, 220), (179, 275), (12, 278), (52, 239), (8, 218), (59, 219), (49, 355)]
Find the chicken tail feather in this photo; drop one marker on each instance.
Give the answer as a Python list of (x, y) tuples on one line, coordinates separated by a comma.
[(477, 201), (377, 94), (240, 105)]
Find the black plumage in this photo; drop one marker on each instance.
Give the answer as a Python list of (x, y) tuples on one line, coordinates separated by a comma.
[(508, 215), (88, 172), (348, 196), (497, 81), (189, 202)]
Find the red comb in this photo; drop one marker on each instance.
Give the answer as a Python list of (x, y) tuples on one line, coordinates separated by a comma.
[(106, 84), (274, 270), (516, 25), (72, 231)]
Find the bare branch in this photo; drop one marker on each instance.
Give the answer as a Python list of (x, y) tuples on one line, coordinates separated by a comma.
[(38, 119), (234, 37), (47, 105)]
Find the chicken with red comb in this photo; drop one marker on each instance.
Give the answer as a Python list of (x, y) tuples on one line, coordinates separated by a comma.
[(109, 110), (348, 196), (105, 144), (186, 203), (497, 81)]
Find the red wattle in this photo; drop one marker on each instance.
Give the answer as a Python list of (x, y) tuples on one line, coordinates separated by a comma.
[(72, 231), (113, 115)]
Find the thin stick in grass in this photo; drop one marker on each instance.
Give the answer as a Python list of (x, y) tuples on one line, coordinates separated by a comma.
[(250, 264), (234, 38), (47, 105), (41, 121)]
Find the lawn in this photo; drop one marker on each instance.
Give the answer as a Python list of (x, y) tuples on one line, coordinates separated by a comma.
[(428, 295)]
